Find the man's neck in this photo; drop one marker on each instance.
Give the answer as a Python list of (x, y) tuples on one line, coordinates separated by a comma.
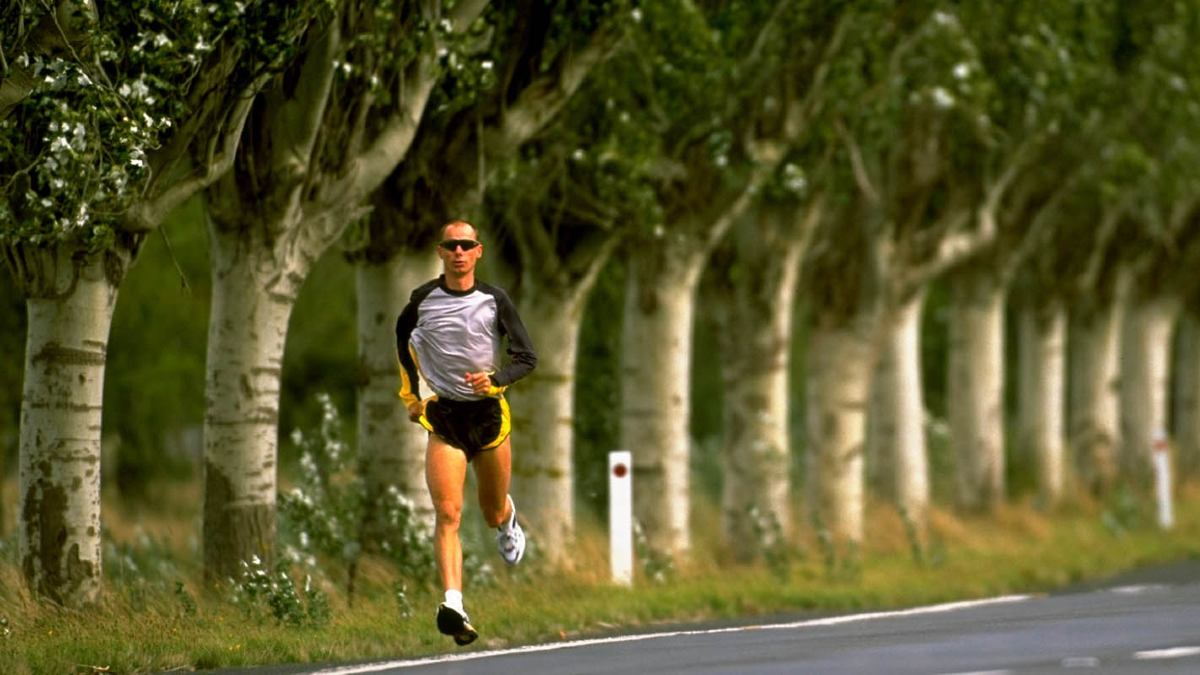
[(460, 283)]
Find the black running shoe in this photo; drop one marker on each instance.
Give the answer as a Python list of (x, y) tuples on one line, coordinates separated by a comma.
[(454, 623)]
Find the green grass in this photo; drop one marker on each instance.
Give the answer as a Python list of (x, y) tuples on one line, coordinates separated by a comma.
[(142, 623)]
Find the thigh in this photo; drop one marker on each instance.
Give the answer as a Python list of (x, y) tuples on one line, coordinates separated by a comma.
[(445, 471), (493, 471)]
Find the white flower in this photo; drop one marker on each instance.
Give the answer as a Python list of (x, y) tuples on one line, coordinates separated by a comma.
[(636, 14), (942, 99), (486, 65), (578, 155), (962, 70)]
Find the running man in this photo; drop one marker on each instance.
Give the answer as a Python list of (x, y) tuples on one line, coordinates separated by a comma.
[(450, 332)]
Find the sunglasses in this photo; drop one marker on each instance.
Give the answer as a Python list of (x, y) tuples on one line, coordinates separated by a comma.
[(451, 244)]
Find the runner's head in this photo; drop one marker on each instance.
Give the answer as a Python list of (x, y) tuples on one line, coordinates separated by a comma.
[(459, 248)]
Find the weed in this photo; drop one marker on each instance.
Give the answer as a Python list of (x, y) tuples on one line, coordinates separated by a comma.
[(657, 565), (186, 601), (847, 566), (323, 514), (259, 589), (403, 603), (912, 532), (1123, 512), (772, 543)]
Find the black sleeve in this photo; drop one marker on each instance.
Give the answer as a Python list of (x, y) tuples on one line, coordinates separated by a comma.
[(410, 383), (522, 358)]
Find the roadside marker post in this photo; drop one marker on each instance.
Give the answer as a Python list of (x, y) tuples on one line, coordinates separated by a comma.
[(1162, 479), (620, 516)]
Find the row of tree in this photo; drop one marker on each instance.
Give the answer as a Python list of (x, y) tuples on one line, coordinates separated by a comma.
[(850, 153)]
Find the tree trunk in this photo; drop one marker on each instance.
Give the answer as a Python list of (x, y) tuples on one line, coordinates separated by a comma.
[(65, 350), (1094, 400), (1187, 395), (655, 389), (391, 448), (757, 457), (839, 372), (543, 413), (975, 392), (1145, 370), (896, 422), (1041, 403), (253, 297)]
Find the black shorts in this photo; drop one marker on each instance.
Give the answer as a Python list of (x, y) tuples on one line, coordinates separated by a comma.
[(471, 426)]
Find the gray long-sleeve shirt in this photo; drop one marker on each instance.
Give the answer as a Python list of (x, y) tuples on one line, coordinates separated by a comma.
[(447, 333)]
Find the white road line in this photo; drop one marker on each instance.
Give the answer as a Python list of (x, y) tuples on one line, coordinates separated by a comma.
[(1137, 588), (1172, 653), (554, 646)]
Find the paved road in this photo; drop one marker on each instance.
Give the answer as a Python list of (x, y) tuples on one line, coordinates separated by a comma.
[(1144, 624)]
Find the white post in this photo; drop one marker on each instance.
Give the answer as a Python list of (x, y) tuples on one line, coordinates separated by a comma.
[(620, 515), (1162, 480)]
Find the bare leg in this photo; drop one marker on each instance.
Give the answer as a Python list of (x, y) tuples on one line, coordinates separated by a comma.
[(493, 471), (445, 473)]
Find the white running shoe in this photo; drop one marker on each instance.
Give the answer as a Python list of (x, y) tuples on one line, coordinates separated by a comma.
[(510, 538)]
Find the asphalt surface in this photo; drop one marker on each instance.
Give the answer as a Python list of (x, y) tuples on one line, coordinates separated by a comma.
[(1144, 622)]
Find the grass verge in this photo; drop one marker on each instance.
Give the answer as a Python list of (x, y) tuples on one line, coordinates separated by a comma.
[(154, 618)]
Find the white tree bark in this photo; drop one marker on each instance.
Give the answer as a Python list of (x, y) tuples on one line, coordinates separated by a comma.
[(757, 457), (655, 389), (975, 399), (391, 448), (1094, 416), (253, 297), (1042, 403), (839, 368), (543, 414), (66, 346), (896, 422), (1187, 394), (1145, 371)]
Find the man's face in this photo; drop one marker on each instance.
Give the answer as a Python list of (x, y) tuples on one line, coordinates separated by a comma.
[(453, 249)]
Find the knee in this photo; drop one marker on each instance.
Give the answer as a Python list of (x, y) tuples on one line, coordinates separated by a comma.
[(448, 514), (494, 515)]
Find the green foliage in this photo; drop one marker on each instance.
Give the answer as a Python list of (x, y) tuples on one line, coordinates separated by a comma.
[(657, 566), (186, 602), (1124, 511), (153, 385), (322, 515), (276, 594), (597, 421), (403, 602), (74, 153), (772, 543)]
